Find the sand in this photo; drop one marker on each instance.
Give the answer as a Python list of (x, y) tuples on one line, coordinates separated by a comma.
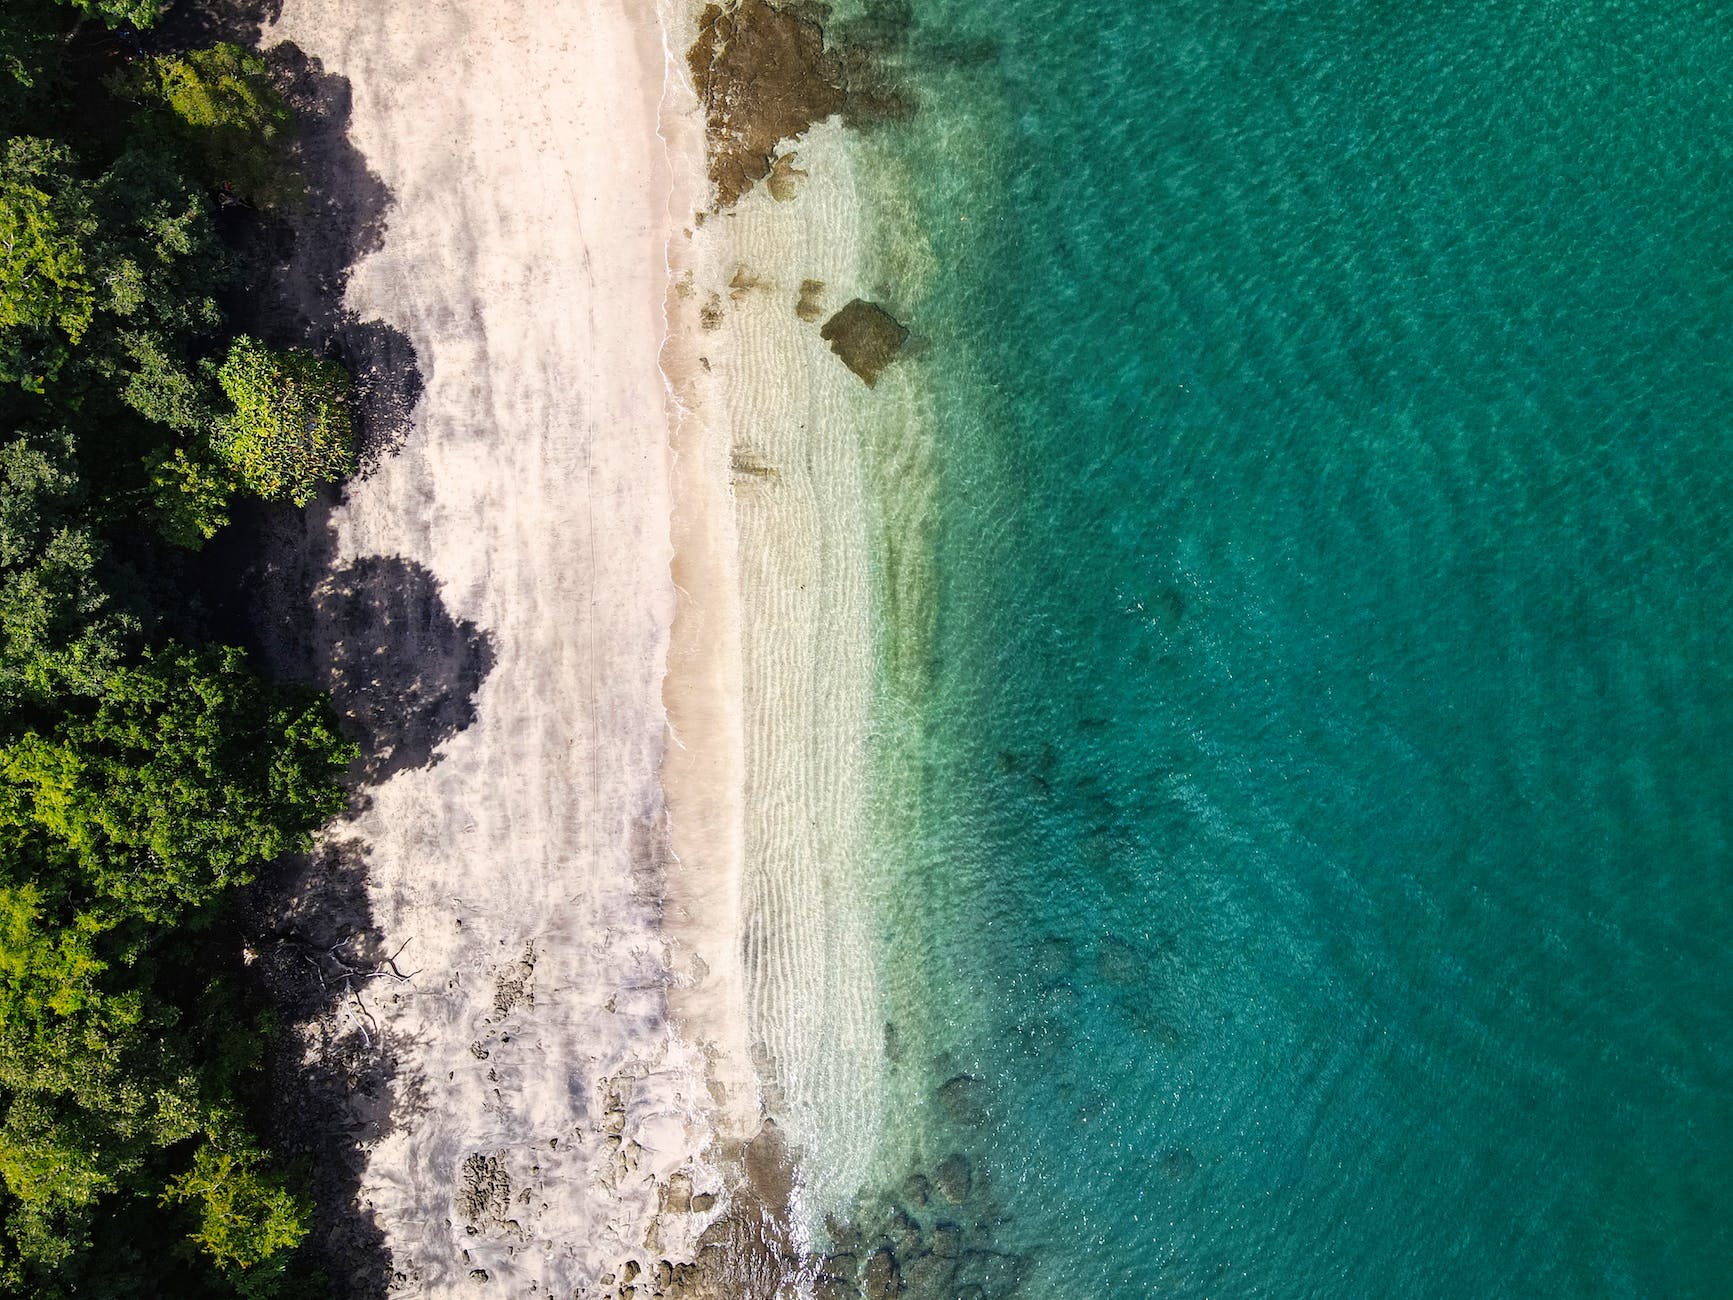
[(630, 536), (543, 1108)]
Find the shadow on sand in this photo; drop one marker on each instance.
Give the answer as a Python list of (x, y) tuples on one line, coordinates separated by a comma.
[(374, 632)]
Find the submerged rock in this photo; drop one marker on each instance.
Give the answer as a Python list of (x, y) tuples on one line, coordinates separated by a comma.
[(954, 1177), (866, 337), (902, 1232), (995, 1273), (881, 1281), (810, 305), (929, 1277), (960, 1097), (784, 179)]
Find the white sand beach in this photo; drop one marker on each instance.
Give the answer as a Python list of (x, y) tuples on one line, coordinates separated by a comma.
[(543, 1109)]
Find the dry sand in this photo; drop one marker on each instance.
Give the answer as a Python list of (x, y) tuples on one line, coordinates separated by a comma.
[(543, 1109)]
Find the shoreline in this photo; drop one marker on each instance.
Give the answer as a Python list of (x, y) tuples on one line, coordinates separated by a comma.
[(632, 499)]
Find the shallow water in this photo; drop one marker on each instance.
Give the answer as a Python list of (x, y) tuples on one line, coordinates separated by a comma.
[(1305, 830)]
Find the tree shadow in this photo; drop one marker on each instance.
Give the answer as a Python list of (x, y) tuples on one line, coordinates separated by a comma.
[(375, 633), (388, 386), (205, 22), (402, 672), (330, 1071)]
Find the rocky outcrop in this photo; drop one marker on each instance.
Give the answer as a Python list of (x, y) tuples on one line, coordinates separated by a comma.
[(765, 73), (764, 76), (866, 337)]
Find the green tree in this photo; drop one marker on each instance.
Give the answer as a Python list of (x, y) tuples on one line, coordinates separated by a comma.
[(191, 495), (219, 106), (93, 1083), (191, 772), (61, 629), (135, 13), (40, 490), (48, 293), (248, 1218), (31, 41), (290, 429)]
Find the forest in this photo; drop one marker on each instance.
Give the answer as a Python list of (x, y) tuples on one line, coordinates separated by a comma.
[(147, 771)]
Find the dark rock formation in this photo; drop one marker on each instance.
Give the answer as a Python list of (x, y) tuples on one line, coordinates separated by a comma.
[(810, 305), (962, 1099), (764, 76), (954, 1178), (866, 337)]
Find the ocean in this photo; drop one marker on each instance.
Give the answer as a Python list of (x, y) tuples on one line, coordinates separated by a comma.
[(1304, 811)]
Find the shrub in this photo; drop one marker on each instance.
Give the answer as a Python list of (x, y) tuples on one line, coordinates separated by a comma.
[(290, 430)]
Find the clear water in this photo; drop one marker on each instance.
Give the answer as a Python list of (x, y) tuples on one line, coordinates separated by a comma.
[(1319, 858)]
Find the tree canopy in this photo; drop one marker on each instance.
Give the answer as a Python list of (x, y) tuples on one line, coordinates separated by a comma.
[(289, 431), (146, 771)]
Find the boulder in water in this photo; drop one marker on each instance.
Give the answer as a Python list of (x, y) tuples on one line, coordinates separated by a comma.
[(882, 1280), (866, 337), (954, 1177)]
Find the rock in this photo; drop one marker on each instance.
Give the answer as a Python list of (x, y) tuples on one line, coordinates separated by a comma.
[(1178, 1163), (764, 76), (881, 1280), (903, 1233), (834, 1288), (996, 1274), (866, 337), (478, 1276), (784, 179), (1053, 956), (954, 1178), (484, 1193), (916, 1189), (929, 1277), (961, 1097), (841, 1265), (844, 1236), (947, 1241), (677, 1196), (1118, 963), (703, 1202), (664, 1273), (631, 1271), (810, 306)]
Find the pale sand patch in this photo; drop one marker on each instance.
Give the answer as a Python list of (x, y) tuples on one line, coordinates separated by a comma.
[(542, 1098)]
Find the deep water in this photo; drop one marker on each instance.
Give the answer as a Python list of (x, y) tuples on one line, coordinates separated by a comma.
[(1319, 879)]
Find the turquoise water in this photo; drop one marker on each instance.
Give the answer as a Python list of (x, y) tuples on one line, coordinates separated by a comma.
[(1319, 875)]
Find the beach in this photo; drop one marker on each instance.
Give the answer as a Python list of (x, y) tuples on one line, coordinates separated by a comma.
[(545, 1124), (632, 510)]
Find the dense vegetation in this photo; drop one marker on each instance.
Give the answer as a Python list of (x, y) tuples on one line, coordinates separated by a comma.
[(144, 772)]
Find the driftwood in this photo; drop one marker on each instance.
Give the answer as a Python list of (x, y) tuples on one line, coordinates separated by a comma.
[(331, 970)]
